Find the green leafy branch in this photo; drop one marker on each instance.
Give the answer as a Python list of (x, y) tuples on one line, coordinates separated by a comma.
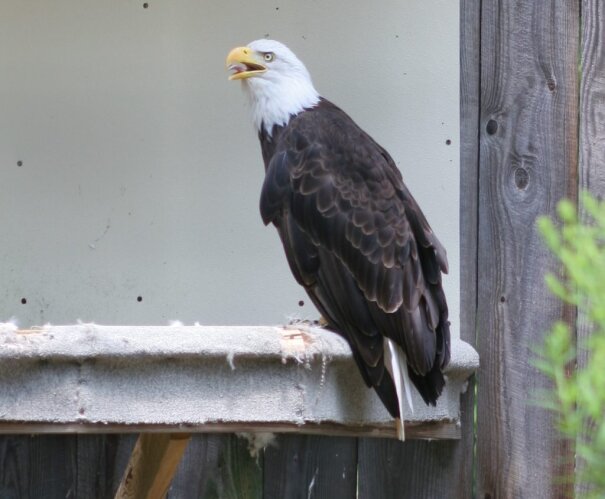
[(578, 396)]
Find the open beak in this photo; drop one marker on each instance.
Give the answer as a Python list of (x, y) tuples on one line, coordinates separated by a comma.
[(243, 62)]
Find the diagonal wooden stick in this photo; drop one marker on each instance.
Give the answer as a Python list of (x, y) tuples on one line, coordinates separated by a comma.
[(152, 465)]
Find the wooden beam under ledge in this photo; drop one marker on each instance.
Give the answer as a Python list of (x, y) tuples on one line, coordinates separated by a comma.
[(152, 465), (112, 379)]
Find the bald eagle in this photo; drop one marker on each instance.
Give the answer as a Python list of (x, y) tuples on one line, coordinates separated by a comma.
[(354, 236)]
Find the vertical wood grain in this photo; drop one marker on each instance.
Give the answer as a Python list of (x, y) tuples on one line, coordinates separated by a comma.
[(13, 466), (304, 466), (528, 161), (418, 469), (592, 134), (37, 466), (423, 469), (592, 99), (470, 81), (217, 466), (101, 461)]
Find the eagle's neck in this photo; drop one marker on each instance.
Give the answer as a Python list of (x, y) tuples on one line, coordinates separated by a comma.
[(274, 101)]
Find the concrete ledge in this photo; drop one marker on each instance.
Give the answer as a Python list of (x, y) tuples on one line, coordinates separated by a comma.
[(90, 378)]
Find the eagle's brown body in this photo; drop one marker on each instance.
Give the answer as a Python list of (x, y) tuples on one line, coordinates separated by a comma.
[(358, 242)]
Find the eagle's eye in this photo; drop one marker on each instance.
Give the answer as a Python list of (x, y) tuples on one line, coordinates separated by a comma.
[(269, 56)]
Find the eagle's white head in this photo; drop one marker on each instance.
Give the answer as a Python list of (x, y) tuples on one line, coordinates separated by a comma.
[(276, 82)]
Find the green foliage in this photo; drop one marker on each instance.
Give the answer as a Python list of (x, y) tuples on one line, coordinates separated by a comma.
[(578, 396)]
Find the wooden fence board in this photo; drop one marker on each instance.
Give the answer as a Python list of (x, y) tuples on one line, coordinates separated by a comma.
[(101, 460), (33, 466), (592, 131), (592, 98), (470, 45), (528, 161), (470, 80), (92, 479), (306, 466), (13, 466), (427, 468), (389, 469), (217, 466)]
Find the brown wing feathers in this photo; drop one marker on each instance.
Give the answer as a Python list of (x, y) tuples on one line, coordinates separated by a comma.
[(358, 242)]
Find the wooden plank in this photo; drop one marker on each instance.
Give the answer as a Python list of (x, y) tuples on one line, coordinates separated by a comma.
[(444, 469), (470, 63), (101, 461), (218, 466), (309, 466), (592, 99), (13, 462), (528, 161), (92, 478), (37, 466), (431, 430), (152, 465), (462, 468), (592, 134), (411, 469)]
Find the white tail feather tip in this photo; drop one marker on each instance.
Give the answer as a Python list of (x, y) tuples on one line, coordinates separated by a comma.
[(396, 363)]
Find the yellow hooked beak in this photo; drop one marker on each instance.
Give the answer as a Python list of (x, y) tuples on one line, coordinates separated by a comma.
[(244, 63)]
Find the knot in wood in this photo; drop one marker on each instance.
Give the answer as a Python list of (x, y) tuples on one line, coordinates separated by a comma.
[(492, 127), (551, 84), (521, 178)]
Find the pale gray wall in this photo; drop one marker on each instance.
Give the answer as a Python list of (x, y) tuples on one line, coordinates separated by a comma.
[(141, 171)]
